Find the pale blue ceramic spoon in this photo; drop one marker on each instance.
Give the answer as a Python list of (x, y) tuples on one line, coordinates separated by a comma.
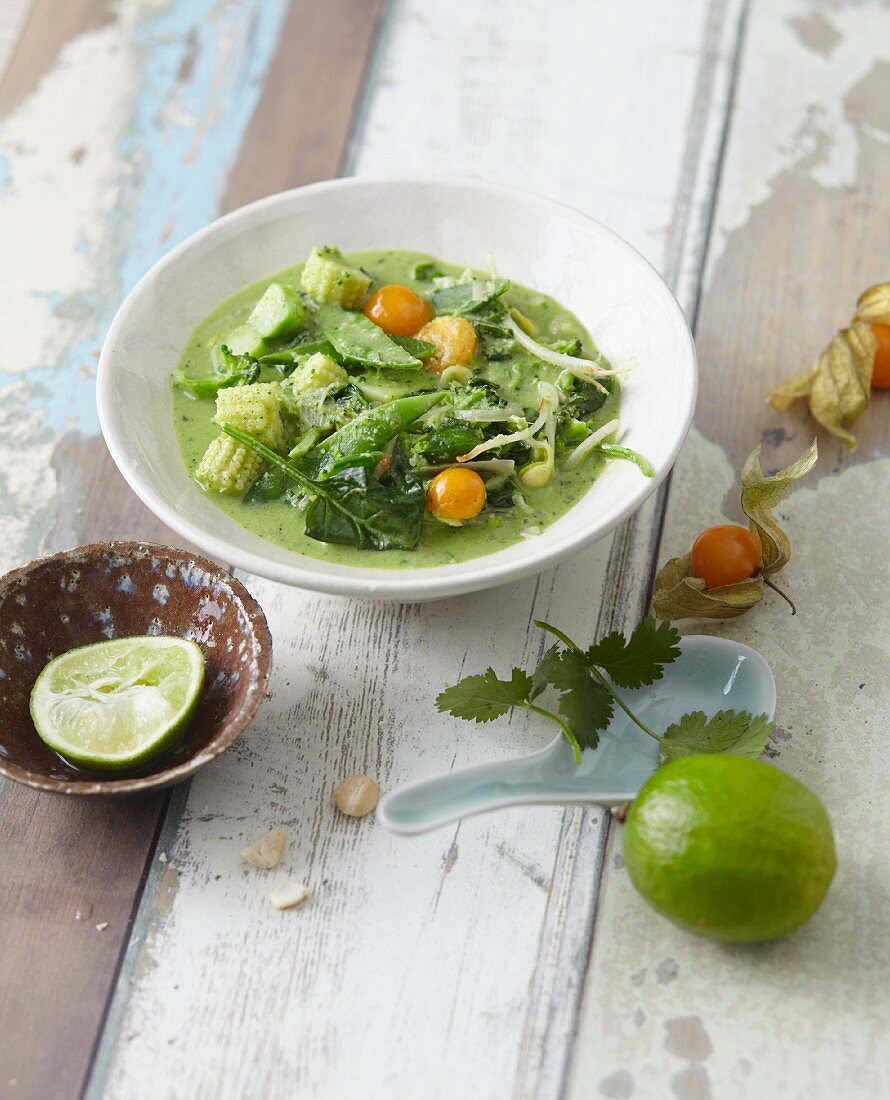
[(710, 674)]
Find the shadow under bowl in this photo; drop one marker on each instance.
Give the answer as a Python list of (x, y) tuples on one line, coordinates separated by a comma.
[(116, 590)]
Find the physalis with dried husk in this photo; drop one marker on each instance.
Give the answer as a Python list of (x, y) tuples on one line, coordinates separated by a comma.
[(729, 566), (857, 360)]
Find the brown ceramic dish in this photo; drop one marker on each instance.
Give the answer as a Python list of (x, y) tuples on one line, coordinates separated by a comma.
[(115, 590)]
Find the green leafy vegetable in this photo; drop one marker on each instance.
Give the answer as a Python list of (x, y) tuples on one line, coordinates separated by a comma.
[(420, 349), (357, 510), (449, 438), (469, 297), (351, 507), (425, 271), (585, 702), (640, 660), (358, 340), (484, 697), (234, 370), (586, 681), (737, 733)]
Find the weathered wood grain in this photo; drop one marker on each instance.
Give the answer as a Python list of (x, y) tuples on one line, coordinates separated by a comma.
[(13, 14), (410, 968), (554, 1005), (121, 204), (800, 229), (302, 124)]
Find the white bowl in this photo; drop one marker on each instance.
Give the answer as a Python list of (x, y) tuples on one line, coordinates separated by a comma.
[(613, 290)]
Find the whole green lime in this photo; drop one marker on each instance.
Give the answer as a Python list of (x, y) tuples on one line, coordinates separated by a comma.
[(729, 848)]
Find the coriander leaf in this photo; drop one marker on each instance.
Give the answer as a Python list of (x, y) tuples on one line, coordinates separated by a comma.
[(585, 704), (641, 659), (544, 673), (728, 731), (484, 697)]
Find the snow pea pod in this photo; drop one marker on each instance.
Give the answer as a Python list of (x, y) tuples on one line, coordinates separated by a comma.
[(372, 429)]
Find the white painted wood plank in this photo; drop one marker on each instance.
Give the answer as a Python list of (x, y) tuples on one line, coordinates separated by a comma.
[(553, 1017), (668, 1014), (409, 969)]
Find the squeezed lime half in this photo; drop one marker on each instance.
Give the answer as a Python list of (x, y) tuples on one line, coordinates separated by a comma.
[(116, 705)]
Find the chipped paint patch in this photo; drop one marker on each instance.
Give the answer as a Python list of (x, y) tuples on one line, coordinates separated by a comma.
[(617, 1086), (685, 1037), (104, 137), (809, 128), (837, 745)]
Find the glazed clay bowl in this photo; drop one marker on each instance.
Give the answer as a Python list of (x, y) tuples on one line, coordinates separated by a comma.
[(116, 590)]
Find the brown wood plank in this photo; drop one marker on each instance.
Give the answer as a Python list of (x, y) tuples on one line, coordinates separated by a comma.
[(62, 856), (49, 26), (302, 125)]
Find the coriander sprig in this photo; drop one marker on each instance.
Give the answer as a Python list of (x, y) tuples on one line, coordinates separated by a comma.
[(586, 681)]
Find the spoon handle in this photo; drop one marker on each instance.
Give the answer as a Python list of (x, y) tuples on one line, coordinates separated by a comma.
[(429, 803)]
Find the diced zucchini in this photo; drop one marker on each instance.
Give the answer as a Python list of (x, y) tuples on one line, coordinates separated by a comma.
[(279, 312), (243, 340)]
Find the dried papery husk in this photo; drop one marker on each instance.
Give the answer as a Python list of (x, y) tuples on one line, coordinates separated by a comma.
[(873, 305), (679, 594), (838, 384), (762, 493)]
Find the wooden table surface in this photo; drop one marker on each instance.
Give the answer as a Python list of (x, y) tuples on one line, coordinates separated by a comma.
[(744, 147)]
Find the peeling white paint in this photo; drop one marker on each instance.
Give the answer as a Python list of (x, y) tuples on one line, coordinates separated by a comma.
[(824, 990), (56, 207), (800, 91)]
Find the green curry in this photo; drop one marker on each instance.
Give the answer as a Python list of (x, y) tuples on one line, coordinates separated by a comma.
[(387, 409)]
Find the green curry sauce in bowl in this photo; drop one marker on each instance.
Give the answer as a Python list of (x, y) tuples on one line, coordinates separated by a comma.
[(498, 394), (384, 422)]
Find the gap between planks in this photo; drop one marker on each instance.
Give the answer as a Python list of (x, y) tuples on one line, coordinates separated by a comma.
[(569, 922)]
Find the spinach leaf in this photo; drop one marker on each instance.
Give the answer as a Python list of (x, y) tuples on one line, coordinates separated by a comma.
[(233, 370), (449, 438), (352, 508), (583, 399), (270, 485), (359, 340), (470, 297), (501, 498), (357, 510), (425, 271)]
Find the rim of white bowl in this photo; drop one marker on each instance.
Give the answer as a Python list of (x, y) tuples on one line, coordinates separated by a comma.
[(409, 585)]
